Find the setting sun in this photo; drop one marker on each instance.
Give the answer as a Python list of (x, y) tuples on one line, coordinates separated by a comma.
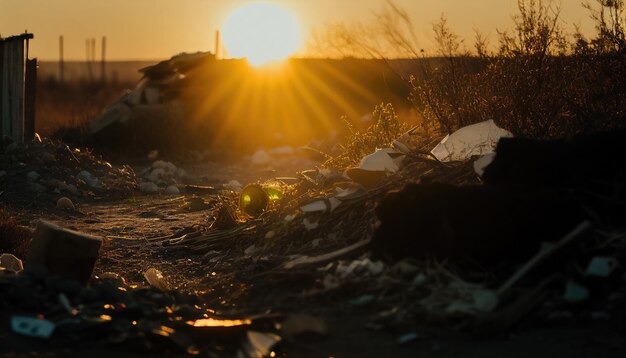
[(262, 33)]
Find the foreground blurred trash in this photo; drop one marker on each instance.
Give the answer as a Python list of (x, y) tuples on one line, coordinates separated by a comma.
[(63, 252), (33, 327)]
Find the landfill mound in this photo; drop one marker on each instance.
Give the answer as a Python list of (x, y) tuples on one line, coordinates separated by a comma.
[(422, 241)]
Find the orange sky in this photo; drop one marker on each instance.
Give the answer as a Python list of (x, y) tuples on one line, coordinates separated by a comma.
[(154, 29)]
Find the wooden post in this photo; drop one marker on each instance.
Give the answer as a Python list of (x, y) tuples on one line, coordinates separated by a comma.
[(61, 61), (103, 60), (87, 58), (13, 54), (30, 95)]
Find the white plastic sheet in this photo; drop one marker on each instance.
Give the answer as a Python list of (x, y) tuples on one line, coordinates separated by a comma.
[(476, 139)]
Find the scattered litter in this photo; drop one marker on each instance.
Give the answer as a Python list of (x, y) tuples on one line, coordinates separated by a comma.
[(11, 262), (259, 345), (32, 327), (601, 266), (407, 337), (481, 163), (253, 200), (233, 185), (575, 293), (310, 225), (88, 179), (385, 160), (476, 139), (480, 300), (363, 300), (270, 234), (321, 205), (155, 278), (66, 253)]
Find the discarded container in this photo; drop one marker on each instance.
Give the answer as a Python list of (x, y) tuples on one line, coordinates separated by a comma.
[(63, 252), (32, 327), (255, 198)]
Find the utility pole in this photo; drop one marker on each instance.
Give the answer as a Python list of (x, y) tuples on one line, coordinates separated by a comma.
[(61, 59), (88, 58), (103, 60), (217, 44)]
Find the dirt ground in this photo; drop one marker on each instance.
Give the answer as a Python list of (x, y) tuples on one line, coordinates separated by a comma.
[(131, 229)]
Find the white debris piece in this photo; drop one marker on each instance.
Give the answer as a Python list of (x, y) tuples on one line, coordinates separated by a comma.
[(321, 205), (476, 139), (260, 157), (601, 266), (310, 225), (382, 160), (481, 163)]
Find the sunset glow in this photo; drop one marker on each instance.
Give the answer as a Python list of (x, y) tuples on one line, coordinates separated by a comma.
[(262, 33)]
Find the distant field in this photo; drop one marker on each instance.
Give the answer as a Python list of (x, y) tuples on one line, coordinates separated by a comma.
[(120, 71)]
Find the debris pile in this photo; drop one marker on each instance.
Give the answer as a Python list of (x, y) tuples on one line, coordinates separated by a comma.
[(45, 170)]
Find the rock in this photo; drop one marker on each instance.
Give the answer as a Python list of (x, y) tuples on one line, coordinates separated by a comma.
[(33, 176), (37, 188), (65, 203), (66, 253), (260, 157), (172, 190), (88, 179), (233, 185), (11, 148), (149, 187), (48, 158)]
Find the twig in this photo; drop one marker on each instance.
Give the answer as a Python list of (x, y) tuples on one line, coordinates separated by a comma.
[(542, 255)]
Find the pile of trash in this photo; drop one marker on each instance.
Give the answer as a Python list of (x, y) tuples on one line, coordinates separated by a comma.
[(162, 176), (401, 213), (45, 170), (52, 297)]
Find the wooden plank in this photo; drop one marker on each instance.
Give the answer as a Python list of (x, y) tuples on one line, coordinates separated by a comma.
[(4, 88), (1, 89), (17, 91), (30, 96)]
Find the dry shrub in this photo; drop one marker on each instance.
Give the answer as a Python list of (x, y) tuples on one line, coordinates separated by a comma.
[(382, 131), (537, 84), (14, 239)]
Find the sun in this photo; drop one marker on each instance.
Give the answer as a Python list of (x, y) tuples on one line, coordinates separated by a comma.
[(261, 32)]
